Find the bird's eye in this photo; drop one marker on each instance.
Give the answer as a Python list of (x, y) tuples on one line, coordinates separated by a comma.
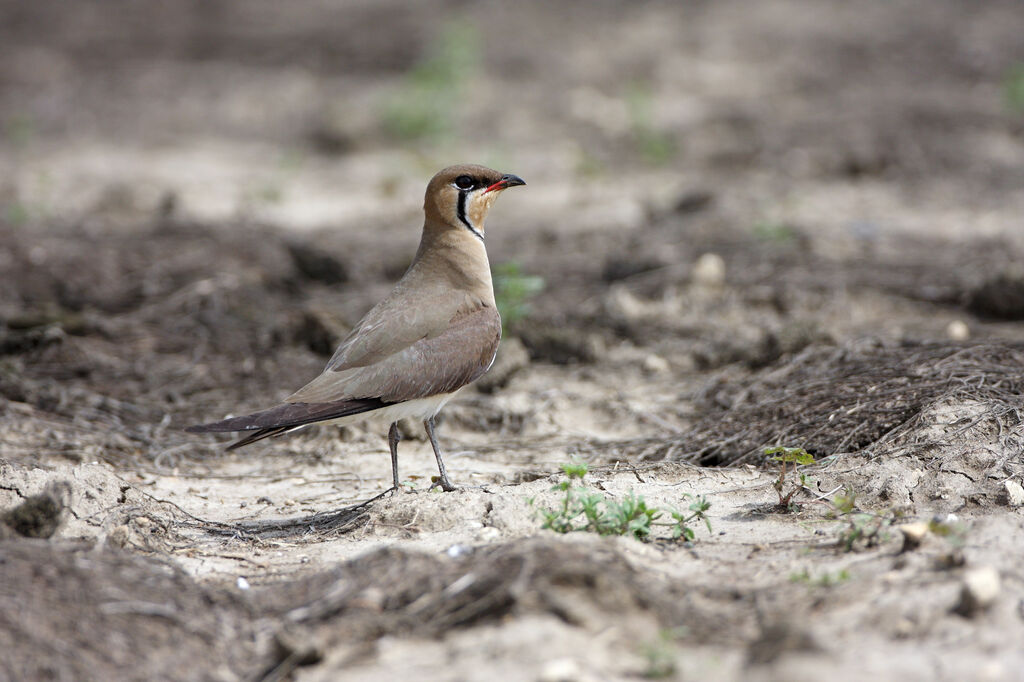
[(464, 182)]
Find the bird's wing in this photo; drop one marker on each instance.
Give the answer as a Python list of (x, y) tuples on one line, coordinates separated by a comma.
[(438, 361), (391, 325)]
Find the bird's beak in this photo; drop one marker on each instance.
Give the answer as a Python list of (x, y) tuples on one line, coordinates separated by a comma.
[(506, 181)]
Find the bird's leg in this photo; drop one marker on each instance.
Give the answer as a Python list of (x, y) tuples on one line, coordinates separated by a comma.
[(442, 481), (393, 438)]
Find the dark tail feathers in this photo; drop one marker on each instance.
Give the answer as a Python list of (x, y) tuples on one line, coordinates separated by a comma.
[(283, 418)]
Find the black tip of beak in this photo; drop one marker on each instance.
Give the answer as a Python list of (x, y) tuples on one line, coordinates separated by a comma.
[(509, 180)]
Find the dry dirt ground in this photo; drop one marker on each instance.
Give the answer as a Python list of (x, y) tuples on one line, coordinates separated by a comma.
[(758, 224)]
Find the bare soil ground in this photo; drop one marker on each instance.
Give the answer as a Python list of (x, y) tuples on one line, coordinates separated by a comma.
[(759, 224)]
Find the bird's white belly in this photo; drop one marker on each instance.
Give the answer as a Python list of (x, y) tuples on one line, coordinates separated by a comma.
[(420, 409)]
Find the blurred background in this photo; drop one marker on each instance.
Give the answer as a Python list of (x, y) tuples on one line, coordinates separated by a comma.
[(201, 196), (881, 115)]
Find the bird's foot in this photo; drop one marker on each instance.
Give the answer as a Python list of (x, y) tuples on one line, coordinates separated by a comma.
[(443, 483)]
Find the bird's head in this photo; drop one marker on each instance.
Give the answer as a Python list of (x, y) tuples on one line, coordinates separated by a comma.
[(460, 196)]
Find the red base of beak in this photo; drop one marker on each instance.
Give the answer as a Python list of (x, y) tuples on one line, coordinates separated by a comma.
[(506, 181)]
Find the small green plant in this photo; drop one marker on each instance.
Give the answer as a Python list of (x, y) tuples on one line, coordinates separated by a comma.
[(655, 146), (788, 489), (660, 656), (271, 190), (860, 529), (826, 579), (423, 106), (16, 213), (776, 233), (1013, 89), (19, 130), (512, 291), (588, 165), (583, 509), (955, 532)]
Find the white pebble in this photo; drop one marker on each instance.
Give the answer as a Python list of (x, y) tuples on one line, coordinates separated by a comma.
[(979, 590), (560, 670), (709, 270), (455, 551), (957, 330), (1014, 493), (655, 364)]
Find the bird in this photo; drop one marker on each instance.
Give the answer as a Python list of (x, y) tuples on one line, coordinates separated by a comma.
[(436, 332)]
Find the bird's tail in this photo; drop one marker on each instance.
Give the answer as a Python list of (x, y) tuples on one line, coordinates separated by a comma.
[(285, 417)]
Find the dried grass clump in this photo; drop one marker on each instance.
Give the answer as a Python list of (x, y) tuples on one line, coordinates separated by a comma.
[(838, 400)]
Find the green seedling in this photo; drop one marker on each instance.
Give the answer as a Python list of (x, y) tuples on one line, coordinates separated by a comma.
[(513, 290), (826, 579), (860, 529), (16, 214), (776, 233), (422, 106), (1013, 89), (584, 509), (655, 146), (19, 130), (787, 490), (660, 656), (955, 532)]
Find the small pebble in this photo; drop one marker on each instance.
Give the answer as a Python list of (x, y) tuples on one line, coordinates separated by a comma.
[(455, 551), (1014, 493), (242, 583), (560, 670), (957, 330), (913, 534), (709, 270), (655, 364), (978, 591)]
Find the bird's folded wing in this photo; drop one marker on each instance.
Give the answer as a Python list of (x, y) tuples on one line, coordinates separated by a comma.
[(392, 326), (439, 363)]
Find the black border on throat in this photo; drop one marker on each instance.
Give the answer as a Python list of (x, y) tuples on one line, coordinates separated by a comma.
[(461, 212)]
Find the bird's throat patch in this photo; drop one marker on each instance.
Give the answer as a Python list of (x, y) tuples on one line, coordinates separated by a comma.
[(461, 211)]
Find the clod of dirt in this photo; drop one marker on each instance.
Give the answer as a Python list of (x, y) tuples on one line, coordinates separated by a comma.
[(17, 341), (512, 356), (39, 516), (618, 267), (317, 265), (403, 592), (292, 649), (560, 345), (978, 591), (1001, 297), (145, 619), (328, 139), (318, 331), (693, 201), (777, 639)]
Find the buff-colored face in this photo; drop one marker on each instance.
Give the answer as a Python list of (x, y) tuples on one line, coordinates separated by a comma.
[(462, 195)]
